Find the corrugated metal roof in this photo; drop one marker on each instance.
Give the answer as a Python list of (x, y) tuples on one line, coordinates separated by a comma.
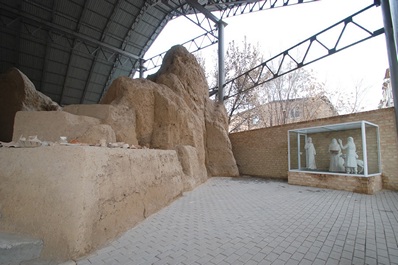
[(70, 49)]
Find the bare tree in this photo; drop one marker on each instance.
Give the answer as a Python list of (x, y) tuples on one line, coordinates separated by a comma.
[(239, 59), (352, 100), (293, 97), (202, 62)]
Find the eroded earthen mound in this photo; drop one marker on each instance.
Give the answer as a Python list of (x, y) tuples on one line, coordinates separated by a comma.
[(172, 108), (18, 93), (169, 110)]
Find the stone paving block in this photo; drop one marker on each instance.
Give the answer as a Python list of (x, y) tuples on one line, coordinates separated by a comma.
[(344, 261), (278, 250), (272, 257), (358, 261), (382, 252), (96, 260), (310, 256), (254, 250), (258, 257), (323, 255), (245, 257), (318, 261), (241, 251), (267, 250), (347, 254), (298, 256), (328, 243), (383, 259), (305, 262), (110, 260), (331, 261), (292, 262), (85, 262), (232, 258), (335, 255), (314, 249), (393, 258), (371, 254), (285, 256), (279, 262), (337, 248), (291, 249)]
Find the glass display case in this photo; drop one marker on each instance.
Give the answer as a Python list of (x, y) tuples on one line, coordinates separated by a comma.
[(342, 149)]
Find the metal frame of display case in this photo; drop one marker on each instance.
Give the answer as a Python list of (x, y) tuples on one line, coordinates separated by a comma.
[(303, 132)]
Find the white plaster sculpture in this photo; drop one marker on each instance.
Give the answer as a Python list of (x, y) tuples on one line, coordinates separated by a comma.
[(310, 154), (336, 161), (63, 140), (32, 141), (351, 155)]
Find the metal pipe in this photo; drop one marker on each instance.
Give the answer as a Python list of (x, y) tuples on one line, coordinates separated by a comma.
[(392, 54), (221, 65), (364, 148), (141, 62)]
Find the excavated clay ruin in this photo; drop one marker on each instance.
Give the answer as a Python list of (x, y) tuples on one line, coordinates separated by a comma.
[(99, 169)]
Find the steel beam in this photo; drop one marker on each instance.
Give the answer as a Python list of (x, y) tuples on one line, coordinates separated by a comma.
[(94, 61), (228, 8), (265, 72), (132, 27), (225, 7), (47, 48), (181, 8), (203, 41), (220, 24), (71, 53), (194, 4)]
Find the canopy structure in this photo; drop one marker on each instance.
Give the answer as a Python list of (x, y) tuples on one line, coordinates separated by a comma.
[(72, 50)]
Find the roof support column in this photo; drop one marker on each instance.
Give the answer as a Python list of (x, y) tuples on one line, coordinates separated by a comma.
[(391, 25), (141, 67), (221, 25), (221, 59)]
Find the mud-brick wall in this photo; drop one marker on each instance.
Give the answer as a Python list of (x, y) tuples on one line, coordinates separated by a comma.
[(264, 152)]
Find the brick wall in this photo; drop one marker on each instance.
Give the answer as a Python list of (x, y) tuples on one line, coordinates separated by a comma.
[(369, 185), (264, 152)]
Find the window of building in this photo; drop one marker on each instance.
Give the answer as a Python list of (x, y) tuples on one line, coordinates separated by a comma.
[(294, 113), (255, 120)]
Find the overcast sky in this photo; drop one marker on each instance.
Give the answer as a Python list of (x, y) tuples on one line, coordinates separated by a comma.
[(278, 29)]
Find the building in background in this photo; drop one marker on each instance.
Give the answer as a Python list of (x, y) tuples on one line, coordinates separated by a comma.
[(282, 112), (387, 100)]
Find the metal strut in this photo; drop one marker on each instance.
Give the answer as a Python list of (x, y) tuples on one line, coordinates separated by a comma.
[(182, 8), (228, 8), (265, 72), (203, 41)]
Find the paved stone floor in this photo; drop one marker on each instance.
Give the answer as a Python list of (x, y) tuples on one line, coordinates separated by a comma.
[(254, 221)]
